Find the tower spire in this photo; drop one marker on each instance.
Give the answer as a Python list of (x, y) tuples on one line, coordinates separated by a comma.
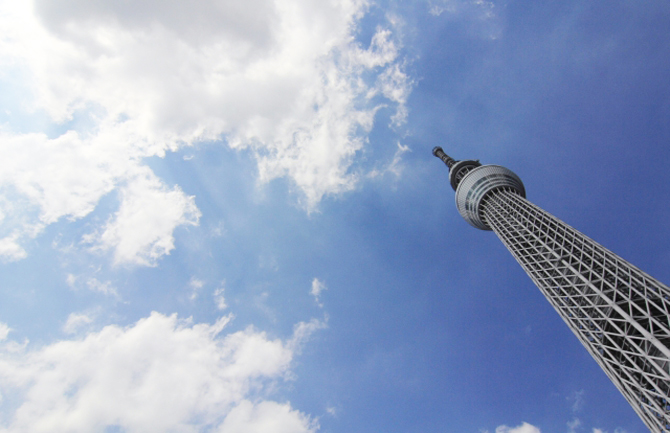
[(448, 160), (457, 169), (619, 313)]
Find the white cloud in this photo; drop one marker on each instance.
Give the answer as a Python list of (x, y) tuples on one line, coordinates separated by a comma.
[(482, 15), (266, 417), (92, 284), (285, 79), (195, 284), (159, 374), (219, 300), (42, 180), (218, 230), (48, 179), (574, 425), (483, 8), (523, 428), (303, 330), (616, 430), (10, 250), (105, 288), (395, 167), (76, 321), (330, 117), (318, 287), (577, 400), (139, 234), (396, 86), (4, 331), (40, 169)]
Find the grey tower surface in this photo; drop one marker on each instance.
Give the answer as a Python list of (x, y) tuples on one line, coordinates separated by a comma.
[(619, 313)]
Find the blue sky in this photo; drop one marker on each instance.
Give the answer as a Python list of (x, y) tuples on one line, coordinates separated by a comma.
[(225, 216)]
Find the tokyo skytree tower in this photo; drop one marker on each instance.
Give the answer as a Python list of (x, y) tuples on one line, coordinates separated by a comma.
[(619, 313)]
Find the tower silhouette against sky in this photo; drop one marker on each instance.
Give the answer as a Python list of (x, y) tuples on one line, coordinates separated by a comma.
[(619, 313)]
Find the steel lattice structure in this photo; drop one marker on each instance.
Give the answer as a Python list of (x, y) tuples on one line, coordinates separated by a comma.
[(619, 313)]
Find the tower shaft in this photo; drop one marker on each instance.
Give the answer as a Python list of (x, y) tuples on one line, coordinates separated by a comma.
[(619, 313)]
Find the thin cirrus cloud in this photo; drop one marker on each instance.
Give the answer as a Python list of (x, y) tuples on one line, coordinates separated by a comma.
[(160, 374), (286, 80)]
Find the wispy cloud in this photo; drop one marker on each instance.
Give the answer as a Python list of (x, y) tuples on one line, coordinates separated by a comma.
[(318, 287), (76, 321), (219, 299), (395, 167), (616, 430), (106, 288), (218, 230), (303, 331), (195, 285), (574, 425), (577, 400), (77, 282), (482, 15), (4, 331)]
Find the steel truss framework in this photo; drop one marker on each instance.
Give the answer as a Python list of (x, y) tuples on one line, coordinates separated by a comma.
[(619, 313)]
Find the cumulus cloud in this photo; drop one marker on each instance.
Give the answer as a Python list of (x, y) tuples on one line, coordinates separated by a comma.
[(138, 233), (43, 180), (160, 374), (285, 79), (267, 416)]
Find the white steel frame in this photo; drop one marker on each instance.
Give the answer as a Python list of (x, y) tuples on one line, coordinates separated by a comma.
[(619, 313)]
